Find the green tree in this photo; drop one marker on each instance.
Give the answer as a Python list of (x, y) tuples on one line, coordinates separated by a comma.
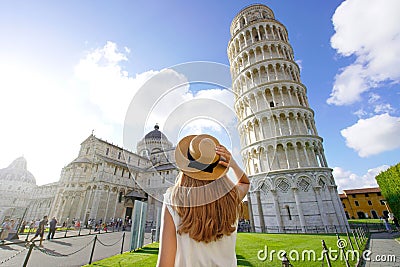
[(389, 182)]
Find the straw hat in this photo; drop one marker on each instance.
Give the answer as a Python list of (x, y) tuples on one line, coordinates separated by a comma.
[(196, 157)]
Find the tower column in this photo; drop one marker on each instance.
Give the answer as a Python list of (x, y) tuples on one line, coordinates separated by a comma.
[(260, 162), (277, 211), (337, 205), (290, 127), (299, 210), (250, 209), (290, 97), (297, 125), (286, 156), (320, 205), (260, 211), (305, 154), (297, 156), (262, 135)]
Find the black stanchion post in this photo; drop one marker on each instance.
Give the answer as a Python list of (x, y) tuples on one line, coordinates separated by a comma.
[(28, 254), (325, 252), (79, 233), (91, 254), (66, 230), (123, 239)]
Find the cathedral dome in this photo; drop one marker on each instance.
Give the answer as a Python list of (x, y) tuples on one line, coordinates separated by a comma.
[(17, 172), (155, 134), (153, 142)]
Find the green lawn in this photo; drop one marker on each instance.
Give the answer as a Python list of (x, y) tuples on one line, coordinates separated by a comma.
[(365, 221), (247, 247)]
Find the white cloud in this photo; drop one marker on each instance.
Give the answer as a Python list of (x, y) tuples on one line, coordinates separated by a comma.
[(360, 113), (373, 135), (348, 180), (45, 119), (108, 87), (373, 98), (383, 108), (376, 47)]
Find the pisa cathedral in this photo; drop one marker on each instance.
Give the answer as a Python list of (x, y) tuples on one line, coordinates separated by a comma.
[(292, 187), (101, 183)]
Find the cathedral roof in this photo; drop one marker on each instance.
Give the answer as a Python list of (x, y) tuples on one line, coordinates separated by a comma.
[(155, 134), (17, 172), (82, 160)]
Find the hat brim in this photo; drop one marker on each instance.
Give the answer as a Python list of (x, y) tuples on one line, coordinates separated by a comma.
[(182, 163)]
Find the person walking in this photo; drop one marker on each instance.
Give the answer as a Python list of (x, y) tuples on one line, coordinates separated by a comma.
[(387, 224), (40, 230), (200, 212), (6, 227), (396, 223), (52, 228)]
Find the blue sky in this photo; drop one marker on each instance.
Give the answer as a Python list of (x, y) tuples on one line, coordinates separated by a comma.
[(67, 67)]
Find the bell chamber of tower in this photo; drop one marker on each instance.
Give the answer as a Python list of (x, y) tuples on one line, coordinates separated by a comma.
[(292, 187)]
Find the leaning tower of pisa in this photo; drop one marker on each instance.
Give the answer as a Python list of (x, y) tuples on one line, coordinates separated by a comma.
[(292, 187)]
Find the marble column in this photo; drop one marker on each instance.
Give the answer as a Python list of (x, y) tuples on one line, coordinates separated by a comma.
[(299, 210)]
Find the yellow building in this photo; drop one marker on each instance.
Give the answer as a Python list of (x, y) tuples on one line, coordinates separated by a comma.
[(364, 203)]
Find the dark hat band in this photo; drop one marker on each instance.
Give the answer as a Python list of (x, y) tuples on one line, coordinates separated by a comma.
[(200, 166)]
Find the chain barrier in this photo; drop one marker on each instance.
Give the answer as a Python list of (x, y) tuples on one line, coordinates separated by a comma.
[(54, 254), (109, 245), (13, 256)]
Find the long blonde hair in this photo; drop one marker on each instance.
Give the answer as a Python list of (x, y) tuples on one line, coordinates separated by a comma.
[(208, 209)]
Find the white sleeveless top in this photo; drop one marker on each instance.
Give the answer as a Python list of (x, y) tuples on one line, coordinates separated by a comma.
[(190, 253)]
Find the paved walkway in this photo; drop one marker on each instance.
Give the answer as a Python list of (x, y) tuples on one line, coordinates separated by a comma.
[(385, 250), (70, 251)]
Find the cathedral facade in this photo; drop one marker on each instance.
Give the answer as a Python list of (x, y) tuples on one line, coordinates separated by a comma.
[(101, 183), (292, 187)]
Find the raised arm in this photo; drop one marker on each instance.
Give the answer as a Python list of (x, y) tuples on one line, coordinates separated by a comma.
[(243, 183)]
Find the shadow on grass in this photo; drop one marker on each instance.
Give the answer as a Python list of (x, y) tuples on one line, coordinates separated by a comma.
[(147, 250), (241, 261)]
